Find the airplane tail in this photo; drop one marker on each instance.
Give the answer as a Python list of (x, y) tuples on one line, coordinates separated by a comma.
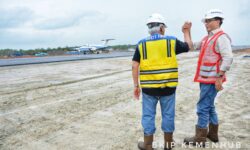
[(105, 41)]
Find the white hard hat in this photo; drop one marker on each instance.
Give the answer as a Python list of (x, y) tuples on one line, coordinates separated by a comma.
[(212, 13), (156, 18)]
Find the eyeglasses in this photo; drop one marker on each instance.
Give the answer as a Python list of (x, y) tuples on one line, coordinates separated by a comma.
[(209, 20)]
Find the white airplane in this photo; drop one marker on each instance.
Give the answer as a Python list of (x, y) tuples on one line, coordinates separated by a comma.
[(94, 49)]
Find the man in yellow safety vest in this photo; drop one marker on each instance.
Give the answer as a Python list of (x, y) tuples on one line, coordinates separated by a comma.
[(155, 64)]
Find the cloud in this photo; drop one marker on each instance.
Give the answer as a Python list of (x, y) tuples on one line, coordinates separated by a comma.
[(69, 20), (27, 38), (55, 23), (14, 17), (244, 13)]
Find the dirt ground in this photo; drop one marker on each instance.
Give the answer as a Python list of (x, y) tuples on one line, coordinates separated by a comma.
[(88, 105)]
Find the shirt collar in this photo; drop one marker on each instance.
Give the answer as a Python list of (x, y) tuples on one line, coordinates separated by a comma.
[(155, 36), (214, 31)]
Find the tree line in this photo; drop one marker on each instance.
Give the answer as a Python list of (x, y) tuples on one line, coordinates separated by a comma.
[(51, 51)]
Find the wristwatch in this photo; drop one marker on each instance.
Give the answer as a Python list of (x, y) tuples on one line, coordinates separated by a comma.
[(136, 85)]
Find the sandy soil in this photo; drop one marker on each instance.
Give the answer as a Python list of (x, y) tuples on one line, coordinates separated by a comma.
[(88, 105)]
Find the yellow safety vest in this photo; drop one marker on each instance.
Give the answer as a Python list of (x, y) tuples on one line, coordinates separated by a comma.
[(158, 63)]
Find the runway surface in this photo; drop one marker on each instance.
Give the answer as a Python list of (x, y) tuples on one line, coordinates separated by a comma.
[(51, 59)]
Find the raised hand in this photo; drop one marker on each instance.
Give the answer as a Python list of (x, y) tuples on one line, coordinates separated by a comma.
[(186, 29), (186, 26)]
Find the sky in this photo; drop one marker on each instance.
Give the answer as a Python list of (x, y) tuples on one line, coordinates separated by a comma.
[(29, 24)]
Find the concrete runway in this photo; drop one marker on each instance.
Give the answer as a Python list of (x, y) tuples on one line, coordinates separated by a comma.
[(51, 59)]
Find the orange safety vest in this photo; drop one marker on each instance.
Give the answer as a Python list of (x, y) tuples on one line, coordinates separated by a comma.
[(209, 61)]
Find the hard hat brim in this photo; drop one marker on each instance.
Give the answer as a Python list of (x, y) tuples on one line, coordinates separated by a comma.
[(210, 17)]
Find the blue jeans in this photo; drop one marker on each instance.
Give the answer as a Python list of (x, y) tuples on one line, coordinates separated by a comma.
[(205, 106), (149, 104)]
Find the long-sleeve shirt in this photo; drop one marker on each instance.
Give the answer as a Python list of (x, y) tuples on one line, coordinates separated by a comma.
[(223, 46)]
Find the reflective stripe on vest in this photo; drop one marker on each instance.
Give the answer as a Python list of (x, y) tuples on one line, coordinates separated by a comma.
[(159, 81), (208, 68), (158, 64), (142, 72), (208, 74), (209, 60)]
